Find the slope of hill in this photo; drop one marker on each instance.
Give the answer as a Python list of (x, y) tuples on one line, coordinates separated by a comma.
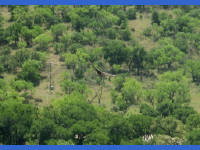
[(153, 51)]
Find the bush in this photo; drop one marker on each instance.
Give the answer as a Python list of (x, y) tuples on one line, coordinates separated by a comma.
[(111, 33), (147, 32), (194, 67), (125, 35), (116, 68), (43, 41), (79, 72), (183, 113), (193, 137), (20, 85), (31, 71), (148, 111), (132, 91), (131, 13), (118, 82), (155, 18), (115, 51)]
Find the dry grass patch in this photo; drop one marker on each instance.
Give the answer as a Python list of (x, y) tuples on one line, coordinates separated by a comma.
[(195, 98), (137, 28)]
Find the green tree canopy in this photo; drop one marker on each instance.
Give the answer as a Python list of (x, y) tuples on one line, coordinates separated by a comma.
[(15, 121), (115, 52), (31, 71)]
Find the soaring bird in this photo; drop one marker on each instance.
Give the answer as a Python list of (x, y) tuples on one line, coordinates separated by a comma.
[(101, 73)]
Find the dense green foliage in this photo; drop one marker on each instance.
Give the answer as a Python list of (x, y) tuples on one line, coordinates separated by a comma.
[(149, 95)]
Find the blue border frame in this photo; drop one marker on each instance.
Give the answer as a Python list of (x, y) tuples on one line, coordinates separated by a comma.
[(99, 2), (102, 147)]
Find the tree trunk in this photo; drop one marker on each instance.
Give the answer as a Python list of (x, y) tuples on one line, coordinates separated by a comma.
[(141, 75), (101, 90), (124, 7), (138, 71), (169, 65), (99, 97)]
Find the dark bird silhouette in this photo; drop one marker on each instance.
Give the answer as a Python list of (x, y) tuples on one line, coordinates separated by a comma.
[(101, 73)]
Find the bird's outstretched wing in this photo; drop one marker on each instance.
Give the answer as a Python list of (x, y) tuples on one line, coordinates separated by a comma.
[(101, 73)]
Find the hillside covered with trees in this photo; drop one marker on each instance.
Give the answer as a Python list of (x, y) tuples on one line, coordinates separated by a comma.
[(100, 75)]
